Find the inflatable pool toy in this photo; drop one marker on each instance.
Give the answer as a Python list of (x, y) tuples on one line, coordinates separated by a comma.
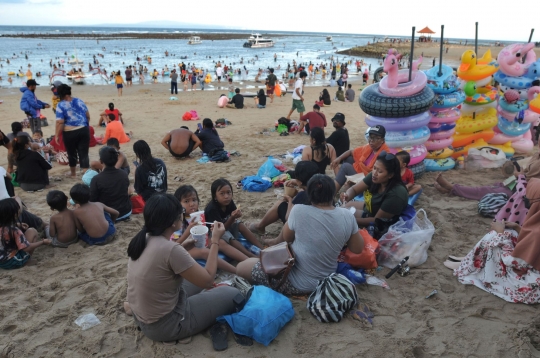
[(479, 96), (534, 104), (208, 78), (445, 116), (222, 101), (440, 153), (449, 100), (473, 70), (442, 134), (446, 83), (512, 128), (468, 109), (277, 90), (526, 116), (396, 83), (11, 73), (461, 140), (437, 144), (374, 103), (510, 59), (417, 153), (511, 102), (522, 91), (440, 127), (400, 124), (477, 122), (480, 83), (523, 145), (439, 165), (521, 82), (400, 139), (501, 138), (479, 144)]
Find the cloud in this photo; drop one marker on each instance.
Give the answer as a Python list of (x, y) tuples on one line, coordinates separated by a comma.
[(12, 1), (31, 2)]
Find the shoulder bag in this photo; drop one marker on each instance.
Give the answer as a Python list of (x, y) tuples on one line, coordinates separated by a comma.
[(276, 262)]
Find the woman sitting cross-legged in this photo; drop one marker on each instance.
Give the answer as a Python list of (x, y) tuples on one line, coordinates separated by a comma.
[(385, 195), (317, 233), (165, 282)]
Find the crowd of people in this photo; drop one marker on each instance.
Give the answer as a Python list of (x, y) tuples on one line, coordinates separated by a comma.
[(165, 282)]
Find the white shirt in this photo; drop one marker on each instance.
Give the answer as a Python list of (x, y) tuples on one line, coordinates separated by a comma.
[(3, 191), (219, 71), (300, 85)]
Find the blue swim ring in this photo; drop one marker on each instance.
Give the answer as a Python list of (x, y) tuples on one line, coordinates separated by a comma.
[(400, 139), (513, 82), (520, 105), (439, 165), (446, 83), (512, 129), (449, 100)]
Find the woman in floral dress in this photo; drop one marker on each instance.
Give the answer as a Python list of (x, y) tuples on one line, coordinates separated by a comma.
[(506, 262)]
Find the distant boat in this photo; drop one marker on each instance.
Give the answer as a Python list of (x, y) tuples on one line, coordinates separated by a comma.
[(257, 41), (194, 40), (329, 38)]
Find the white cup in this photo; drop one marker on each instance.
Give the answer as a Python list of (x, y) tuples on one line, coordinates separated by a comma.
[(199, 233), (197, 216)]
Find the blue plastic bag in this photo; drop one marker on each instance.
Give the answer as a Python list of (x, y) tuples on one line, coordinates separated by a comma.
[(263, 316), (268, 169), (355, 276), (255, 183)]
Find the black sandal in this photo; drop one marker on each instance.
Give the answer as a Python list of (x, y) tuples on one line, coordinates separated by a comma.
[(218, 333)]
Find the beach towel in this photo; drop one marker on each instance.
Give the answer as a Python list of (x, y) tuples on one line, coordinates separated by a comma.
[(360, 155)]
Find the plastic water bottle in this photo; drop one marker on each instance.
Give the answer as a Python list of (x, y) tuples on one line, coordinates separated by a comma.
[(371, 229), (255, 250)]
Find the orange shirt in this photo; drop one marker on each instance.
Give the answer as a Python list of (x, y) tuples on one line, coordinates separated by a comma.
[(115, 129), (360, 155)]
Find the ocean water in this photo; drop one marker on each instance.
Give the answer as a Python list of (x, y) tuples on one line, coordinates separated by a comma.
[(119, 53)]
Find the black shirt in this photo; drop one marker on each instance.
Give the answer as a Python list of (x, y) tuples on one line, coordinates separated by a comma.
[(262, 99), (148, 183), (110, 187), (238, 101), (340, 140), (213, 212), (210, 140), (32, 168)]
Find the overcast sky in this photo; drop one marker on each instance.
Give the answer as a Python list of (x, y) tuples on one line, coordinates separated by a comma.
[(503, 20)]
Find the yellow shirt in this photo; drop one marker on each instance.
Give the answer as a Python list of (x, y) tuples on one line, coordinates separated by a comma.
[(119, 80)]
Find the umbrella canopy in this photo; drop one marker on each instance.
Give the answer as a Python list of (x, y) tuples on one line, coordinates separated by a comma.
[(426, 30)]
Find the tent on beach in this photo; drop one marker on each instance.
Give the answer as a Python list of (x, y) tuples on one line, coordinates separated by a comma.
[(428, 31)]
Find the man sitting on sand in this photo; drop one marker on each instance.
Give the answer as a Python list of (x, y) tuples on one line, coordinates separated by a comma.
[(312, 119), (62, 227), (349, 94), (237, 101), (95, 221), (181, 142)]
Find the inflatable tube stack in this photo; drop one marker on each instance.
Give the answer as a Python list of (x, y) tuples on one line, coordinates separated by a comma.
[(444, 114), (402, 107), (515, 111)]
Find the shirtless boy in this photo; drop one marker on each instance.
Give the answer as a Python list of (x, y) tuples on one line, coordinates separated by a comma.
[(95, 221), (62, 226), (181, 142)]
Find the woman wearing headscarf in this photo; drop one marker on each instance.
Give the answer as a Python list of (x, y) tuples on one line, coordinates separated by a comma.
[(506, 262)]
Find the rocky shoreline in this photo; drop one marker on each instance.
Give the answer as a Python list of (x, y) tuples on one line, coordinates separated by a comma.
[(127, 35)]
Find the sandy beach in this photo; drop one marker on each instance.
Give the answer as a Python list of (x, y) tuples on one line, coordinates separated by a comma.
[(40, 303)]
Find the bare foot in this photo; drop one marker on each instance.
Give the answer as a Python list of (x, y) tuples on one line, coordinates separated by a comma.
[(443, 182), (128, 309), (441, 189), (68, 175)]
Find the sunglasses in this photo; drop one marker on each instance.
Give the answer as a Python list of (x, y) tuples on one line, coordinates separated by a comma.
[(387, 156)]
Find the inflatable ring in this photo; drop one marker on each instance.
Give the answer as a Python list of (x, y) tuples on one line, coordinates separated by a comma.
[(437, 144), (446, 116), (11, 73), (446, 83), (509, 59), (377, 75), (528, 115), (400, 124), (442, 135), (208, 78), (523, 145), (405, 87), (439, 165), (418, 170), (523, 92), (461, 140), (400, 139), (484, 120), (501, 138), (471, 70), (521, 82), (441, 127), (479, 96), (512, 128), (519, 105), (440, 153), (449, 100), (417, 153), (374, 103), (480, 143), (534, 105)]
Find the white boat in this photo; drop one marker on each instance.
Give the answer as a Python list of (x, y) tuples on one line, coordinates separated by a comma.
[(194, 40), (329, 38), (257, 41), (76, 61)]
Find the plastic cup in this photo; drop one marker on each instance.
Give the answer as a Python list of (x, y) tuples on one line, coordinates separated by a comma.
[(290, 191), (197, 216), (199, 233)]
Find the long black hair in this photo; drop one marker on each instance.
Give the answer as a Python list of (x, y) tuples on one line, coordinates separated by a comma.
[(160, 212), (184, 191), (317, 134), (9, 210), (16, 127), (143, 152), (392, 166), (19, 144), (63, 90), (218, 184), (321, 189)]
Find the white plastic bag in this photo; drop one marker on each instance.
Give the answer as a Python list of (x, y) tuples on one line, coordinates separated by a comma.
[(485, 157), (87, 321), (406, 238)]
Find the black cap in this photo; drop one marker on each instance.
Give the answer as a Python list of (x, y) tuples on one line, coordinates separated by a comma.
[(339, 117), (378, 130), (31, 83)]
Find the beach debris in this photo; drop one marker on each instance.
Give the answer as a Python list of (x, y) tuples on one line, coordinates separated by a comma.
[(372, 280), (433, 293), (173, 98), (363, 314), (87, 321)]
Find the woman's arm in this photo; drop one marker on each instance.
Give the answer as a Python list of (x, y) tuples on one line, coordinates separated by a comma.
[(305, 155), (380, 215), (341, 158), (353, 191), (88, 117), (288, 234), (59, 127), (356, 243), (186, 232), (332, 153)]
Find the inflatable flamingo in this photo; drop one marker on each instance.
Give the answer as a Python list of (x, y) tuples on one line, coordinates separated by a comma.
[(396, 83), (511, 56)]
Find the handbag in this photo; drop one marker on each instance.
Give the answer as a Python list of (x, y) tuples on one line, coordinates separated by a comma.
[(276, 262)]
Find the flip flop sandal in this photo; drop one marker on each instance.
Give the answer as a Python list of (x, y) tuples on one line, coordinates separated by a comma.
[(451, 265), (455, 258), (178, 178), (218, 333), (239, 185), (243, 340)]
